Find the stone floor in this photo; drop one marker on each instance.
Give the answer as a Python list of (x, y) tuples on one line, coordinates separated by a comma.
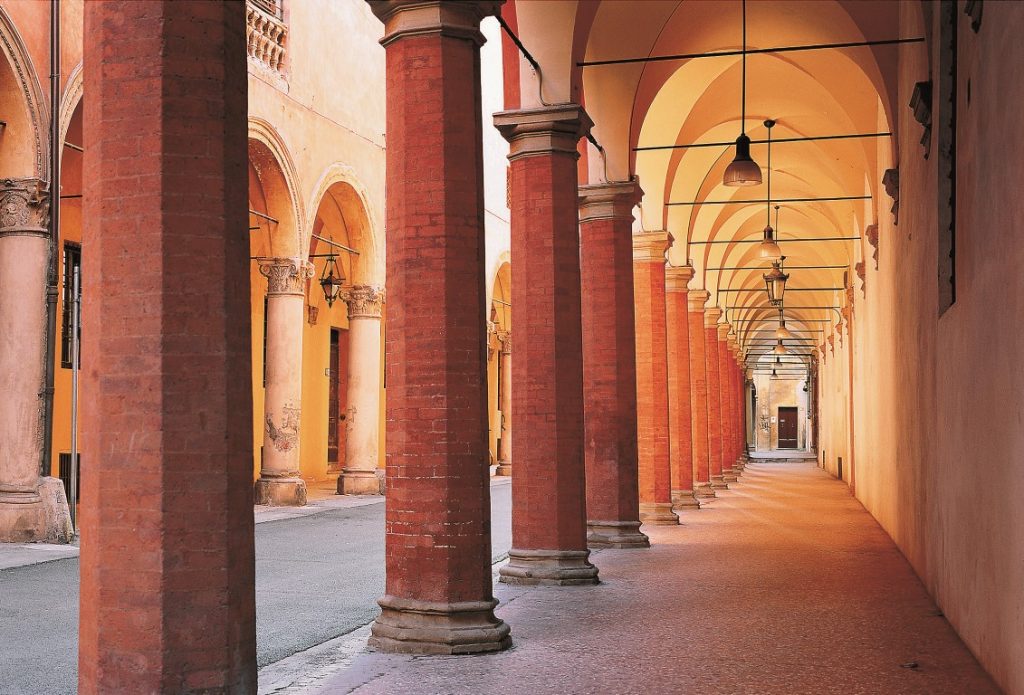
[(784, 584)]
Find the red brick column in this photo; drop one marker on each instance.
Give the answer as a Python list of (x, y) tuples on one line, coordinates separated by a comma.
[(715, 422), (609, 365), (737, 394), (680, 410), (699, 395), (728, 405), (438, 544), (167, 569), (549, 512), (652, 378)]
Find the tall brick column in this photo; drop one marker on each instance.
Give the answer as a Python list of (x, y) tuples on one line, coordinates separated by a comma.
[(715, 422), (737, 395), (505, 405), (680, 410), (609, 365), (167, 570), (728, 405), (652, 378), (549, 515), (699, 395), (279, 482), (437, 513)]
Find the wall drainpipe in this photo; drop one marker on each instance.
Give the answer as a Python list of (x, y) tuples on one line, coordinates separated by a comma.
[(52, 275)]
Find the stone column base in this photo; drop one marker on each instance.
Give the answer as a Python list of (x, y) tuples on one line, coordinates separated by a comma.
[(684, 499), (39, 516), (616, 534), (703, 491), (504, 468), (548, 568), (729, 476), (718, 483), (281, 492), (357, 482), (658, 514), (408, 626)]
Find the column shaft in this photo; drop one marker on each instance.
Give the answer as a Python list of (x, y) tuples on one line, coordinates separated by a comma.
[(362, 417), (609, 365), (24, 250), (549, 538), (505, 405), (652, 378), (437, 535), (715, 424), (167, 561), (728, 409), (680, 408), (279, 482), (699, 395)]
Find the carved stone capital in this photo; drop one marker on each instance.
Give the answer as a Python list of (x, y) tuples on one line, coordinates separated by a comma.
[(505, 338), (677, 278), (723, 331), (364, 301), (696, 299), (651, 246), (457, 19), (24, 207), (609, 201), (286, 276), (711, 317), (543, 131)]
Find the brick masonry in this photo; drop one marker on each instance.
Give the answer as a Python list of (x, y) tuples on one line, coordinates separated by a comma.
[(698, 387), (680, 410), (167, 569)]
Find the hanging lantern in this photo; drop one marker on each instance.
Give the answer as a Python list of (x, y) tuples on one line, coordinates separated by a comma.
[(768, 249), (743, 171), (332, 280), (775, 283), (780, 349)]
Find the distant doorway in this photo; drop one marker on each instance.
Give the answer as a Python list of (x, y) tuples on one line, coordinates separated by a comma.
[(337, 405), (787, 428)]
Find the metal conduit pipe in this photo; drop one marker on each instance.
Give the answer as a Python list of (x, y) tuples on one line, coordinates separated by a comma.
[(52, 273)]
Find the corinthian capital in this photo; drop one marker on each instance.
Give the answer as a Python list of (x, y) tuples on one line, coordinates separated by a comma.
[(24, 207), (364, 301), (286, 275)]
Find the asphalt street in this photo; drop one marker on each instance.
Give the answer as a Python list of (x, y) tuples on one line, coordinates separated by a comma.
[(317, 577)]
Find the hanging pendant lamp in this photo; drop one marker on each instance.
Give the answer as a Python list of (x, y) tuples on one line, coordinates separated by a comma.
[(775, 283), (783, 333), (779, 349), (769, 250), (743, 171)]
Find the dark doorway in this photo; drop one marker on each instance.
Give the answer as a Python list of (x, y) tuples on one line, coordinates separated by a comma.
[(787, 428), (337, 405)]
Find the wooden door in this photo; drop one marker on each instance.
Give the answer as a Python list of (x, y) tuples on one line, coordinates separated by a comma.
[(787, 428), (337, 405)]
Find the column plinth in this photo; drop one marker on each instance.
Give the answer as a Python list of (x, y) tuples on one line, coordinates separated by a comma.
[(609, 365), (362, 416), (439, 597), (680, 409), (279, 483), (504, 466), (549, 537), (24, 250), (652, 402), (699, 395)]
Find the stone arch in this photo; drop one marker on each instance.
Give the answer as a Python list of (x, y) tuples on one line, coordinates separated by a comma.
[(273, 183), (25, 146), (71, 99), (340, 201)]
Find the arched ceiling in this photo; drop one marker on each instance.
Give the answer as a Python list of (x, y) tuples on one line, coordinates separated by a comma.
[(658, 104)]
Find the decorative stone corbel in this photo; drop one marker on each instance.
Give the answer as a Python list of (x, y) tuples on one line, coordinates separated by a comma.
[(921, 105), (871, 234), (861, 273), (891, 181)]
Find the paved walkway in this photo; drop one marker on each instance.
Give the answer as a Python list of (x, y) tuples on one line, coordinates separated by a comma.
[(782, 585)]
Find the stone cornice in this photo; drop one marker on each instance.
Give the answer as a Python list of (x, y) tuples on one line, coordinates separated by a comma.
[(543, 131), (609, 201), (651, 246), (711, 316), (454, 18), (677, 278)]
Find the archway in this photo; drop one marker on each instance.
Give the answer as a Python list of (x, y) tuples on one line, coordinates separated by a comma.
[(499, 371)]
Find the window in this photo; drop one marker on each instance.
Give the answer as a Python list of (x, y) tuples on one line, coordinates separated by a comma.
[(72, 265)]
